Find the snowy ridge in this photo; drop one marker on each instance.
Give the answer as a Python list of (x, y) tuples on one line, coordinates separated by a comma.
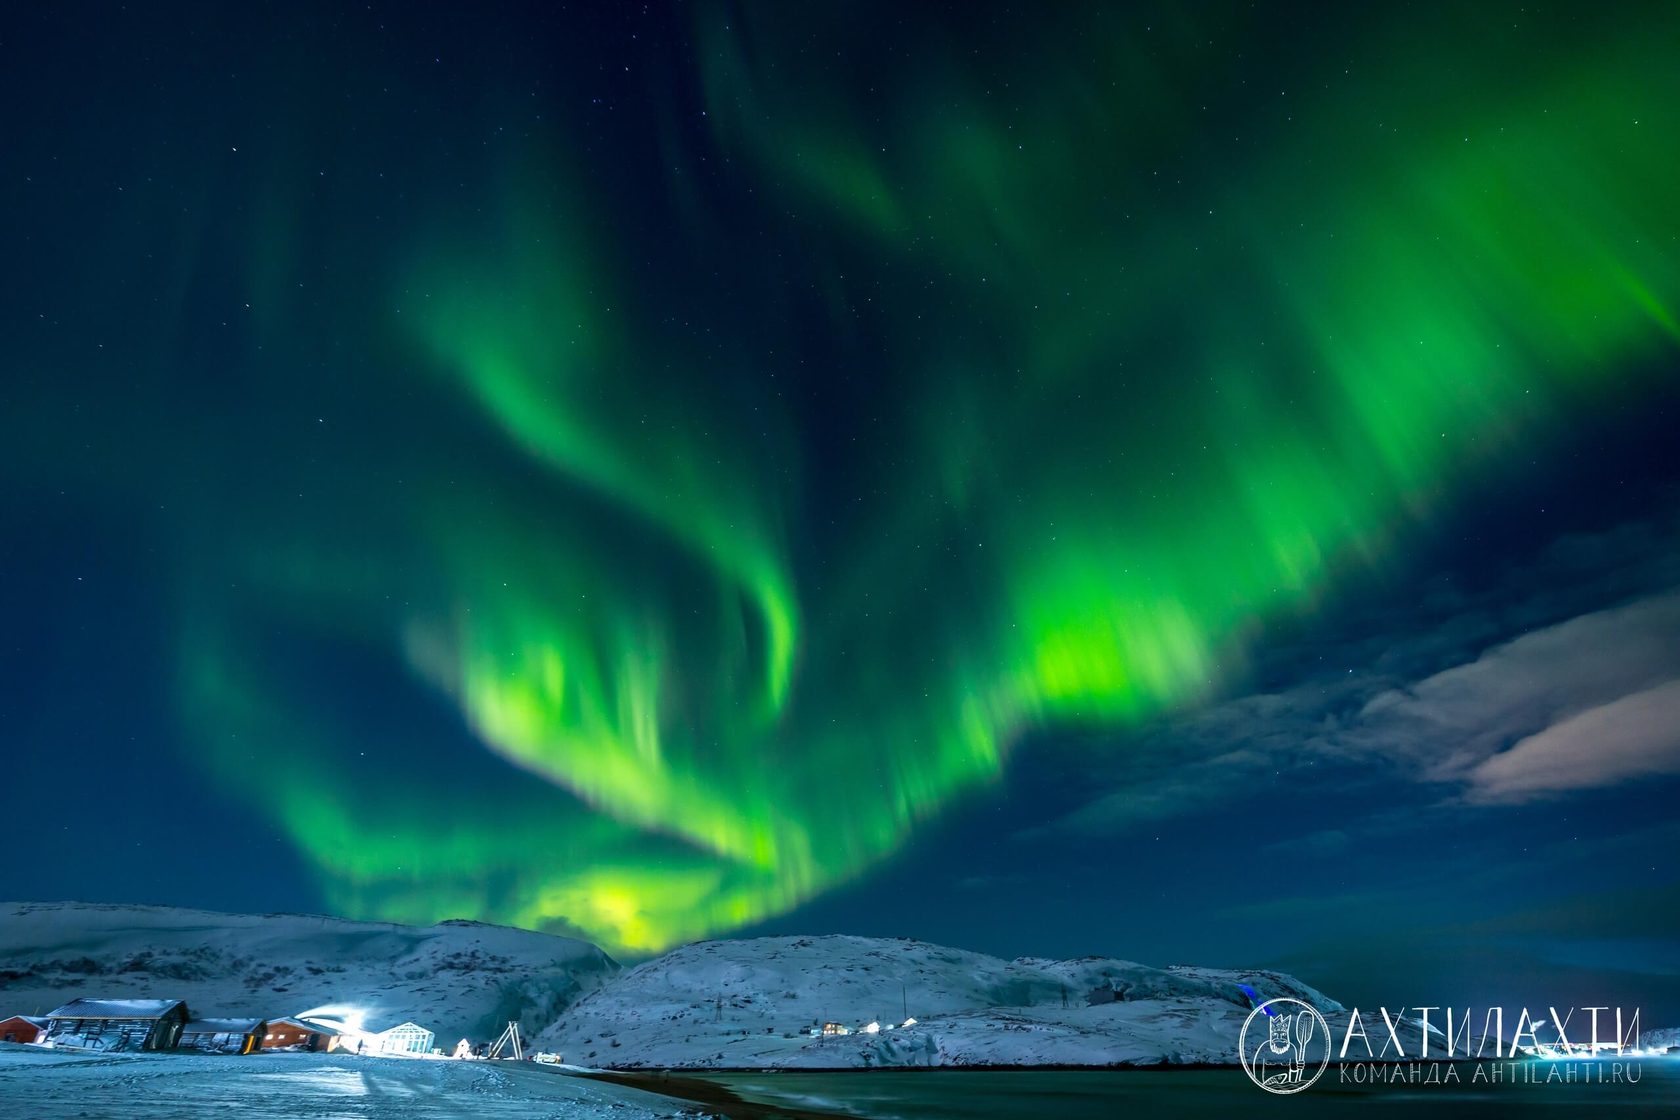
[(748, 1004), (752, 1004), (460, 979)]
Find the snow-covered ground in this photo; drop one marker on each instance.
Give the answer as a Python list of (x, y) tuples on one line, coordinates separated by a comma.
[(1661, 1038), (458, 979), (46, 1084), (752, 1003)]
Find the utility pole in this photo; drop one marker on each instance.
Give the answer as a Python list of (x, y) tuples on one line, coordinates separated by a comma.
[(509, 1039), (904, 1000)]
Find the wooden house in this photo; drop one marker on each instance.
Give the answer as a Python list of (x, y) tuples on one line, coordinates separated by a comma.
[(222, 1036), (22, 1028), (117, 1024), (296, 1034)]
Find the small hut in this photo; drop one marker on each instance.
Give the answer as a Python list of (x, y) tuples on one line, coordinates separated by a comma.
[(22, 1028), (117, 1024), (222, 1036), (296, 1034)]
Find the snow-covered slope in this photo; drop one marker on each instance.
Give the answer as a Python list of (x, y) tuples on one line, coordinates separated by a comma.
[(1661, 1038), (455, 978), (751, 1004), (43, 1084)]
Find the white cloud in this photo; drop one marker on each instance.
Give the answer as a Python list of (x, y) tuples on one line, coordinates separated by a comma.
[(1588, 702), (1451, 724), (1629, 737)]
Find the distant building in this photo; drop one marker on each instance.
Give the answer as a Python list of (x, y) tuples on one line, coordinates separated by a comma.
[(831, 1029), (405, 1038), (222, 1036), (297, 1034), (117, 1024), (22, 1028)]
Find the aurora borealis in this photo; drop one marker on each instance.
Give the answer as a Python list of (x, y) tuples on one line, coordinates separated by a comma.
[(639, 473)]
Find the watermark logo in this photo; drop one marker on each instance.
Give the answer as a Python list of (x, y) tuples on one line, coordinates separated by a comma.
[(1284, 1046)]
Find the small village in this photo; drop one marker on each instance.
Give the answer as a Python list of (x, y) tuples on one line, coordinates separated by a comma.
[(135, 1025), (159, 1025)]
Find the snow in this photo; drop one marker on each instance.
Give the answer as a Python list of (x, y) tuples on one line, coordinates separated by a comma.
[(751, 1004), (1661, 1038), (47, 1084), (460, 979), (114, 1009)]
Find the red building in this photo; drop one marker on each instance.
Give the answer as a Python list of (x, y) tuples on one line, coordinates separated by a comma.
[(22, 1028), (294, 1034)]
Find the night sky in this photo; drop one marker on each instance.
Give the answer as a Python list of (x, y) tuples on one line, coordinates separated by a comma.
[(1189, 483)]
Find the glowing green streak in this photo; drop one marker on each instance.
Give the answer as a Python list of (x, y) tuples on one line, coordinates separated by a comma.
[(1130, 425), (531, 337)]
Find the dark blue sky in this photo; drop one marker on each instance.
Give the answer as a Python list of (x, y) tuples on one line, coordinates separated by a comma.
[(635, 471)]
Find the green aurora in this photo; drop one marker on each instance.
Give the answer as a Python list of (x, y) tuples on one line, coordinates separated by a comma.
[(738, 647)]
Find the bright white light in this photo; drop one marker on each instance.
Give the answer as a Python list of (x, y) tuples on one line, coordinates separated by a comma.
[(872, 1028), (337, 1015), (349, 1022)]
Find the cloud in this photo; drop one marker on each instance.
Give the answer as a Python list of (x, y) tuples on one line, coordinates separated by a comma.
[(1143, 801), (1326, 842), (1563, 677), (1452, 722), (1627, 738)]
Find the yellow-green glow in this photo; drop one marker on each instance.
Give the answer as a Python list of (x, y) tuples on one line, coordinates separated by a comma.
[(737, 648)]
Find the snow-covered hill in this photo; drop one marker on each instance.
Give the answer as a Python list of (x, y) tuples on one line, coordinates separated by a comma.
[(718, 1004), (752, 1004), (459, 979)]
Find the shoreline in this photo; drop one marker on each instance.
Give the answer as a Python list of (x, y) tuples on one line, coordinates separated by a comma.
[(702, 1087), (699, 1090)]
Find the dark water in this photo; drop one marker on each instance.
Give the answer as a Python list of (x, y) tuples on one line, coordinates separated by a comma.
[(1090, 1095)]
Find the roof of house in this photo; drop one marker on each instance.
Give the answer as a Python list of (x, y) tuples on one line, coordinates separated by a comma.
[(305, 1025), (33, 1020), (223, 1026), (400, 1026), (116, 1009)]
